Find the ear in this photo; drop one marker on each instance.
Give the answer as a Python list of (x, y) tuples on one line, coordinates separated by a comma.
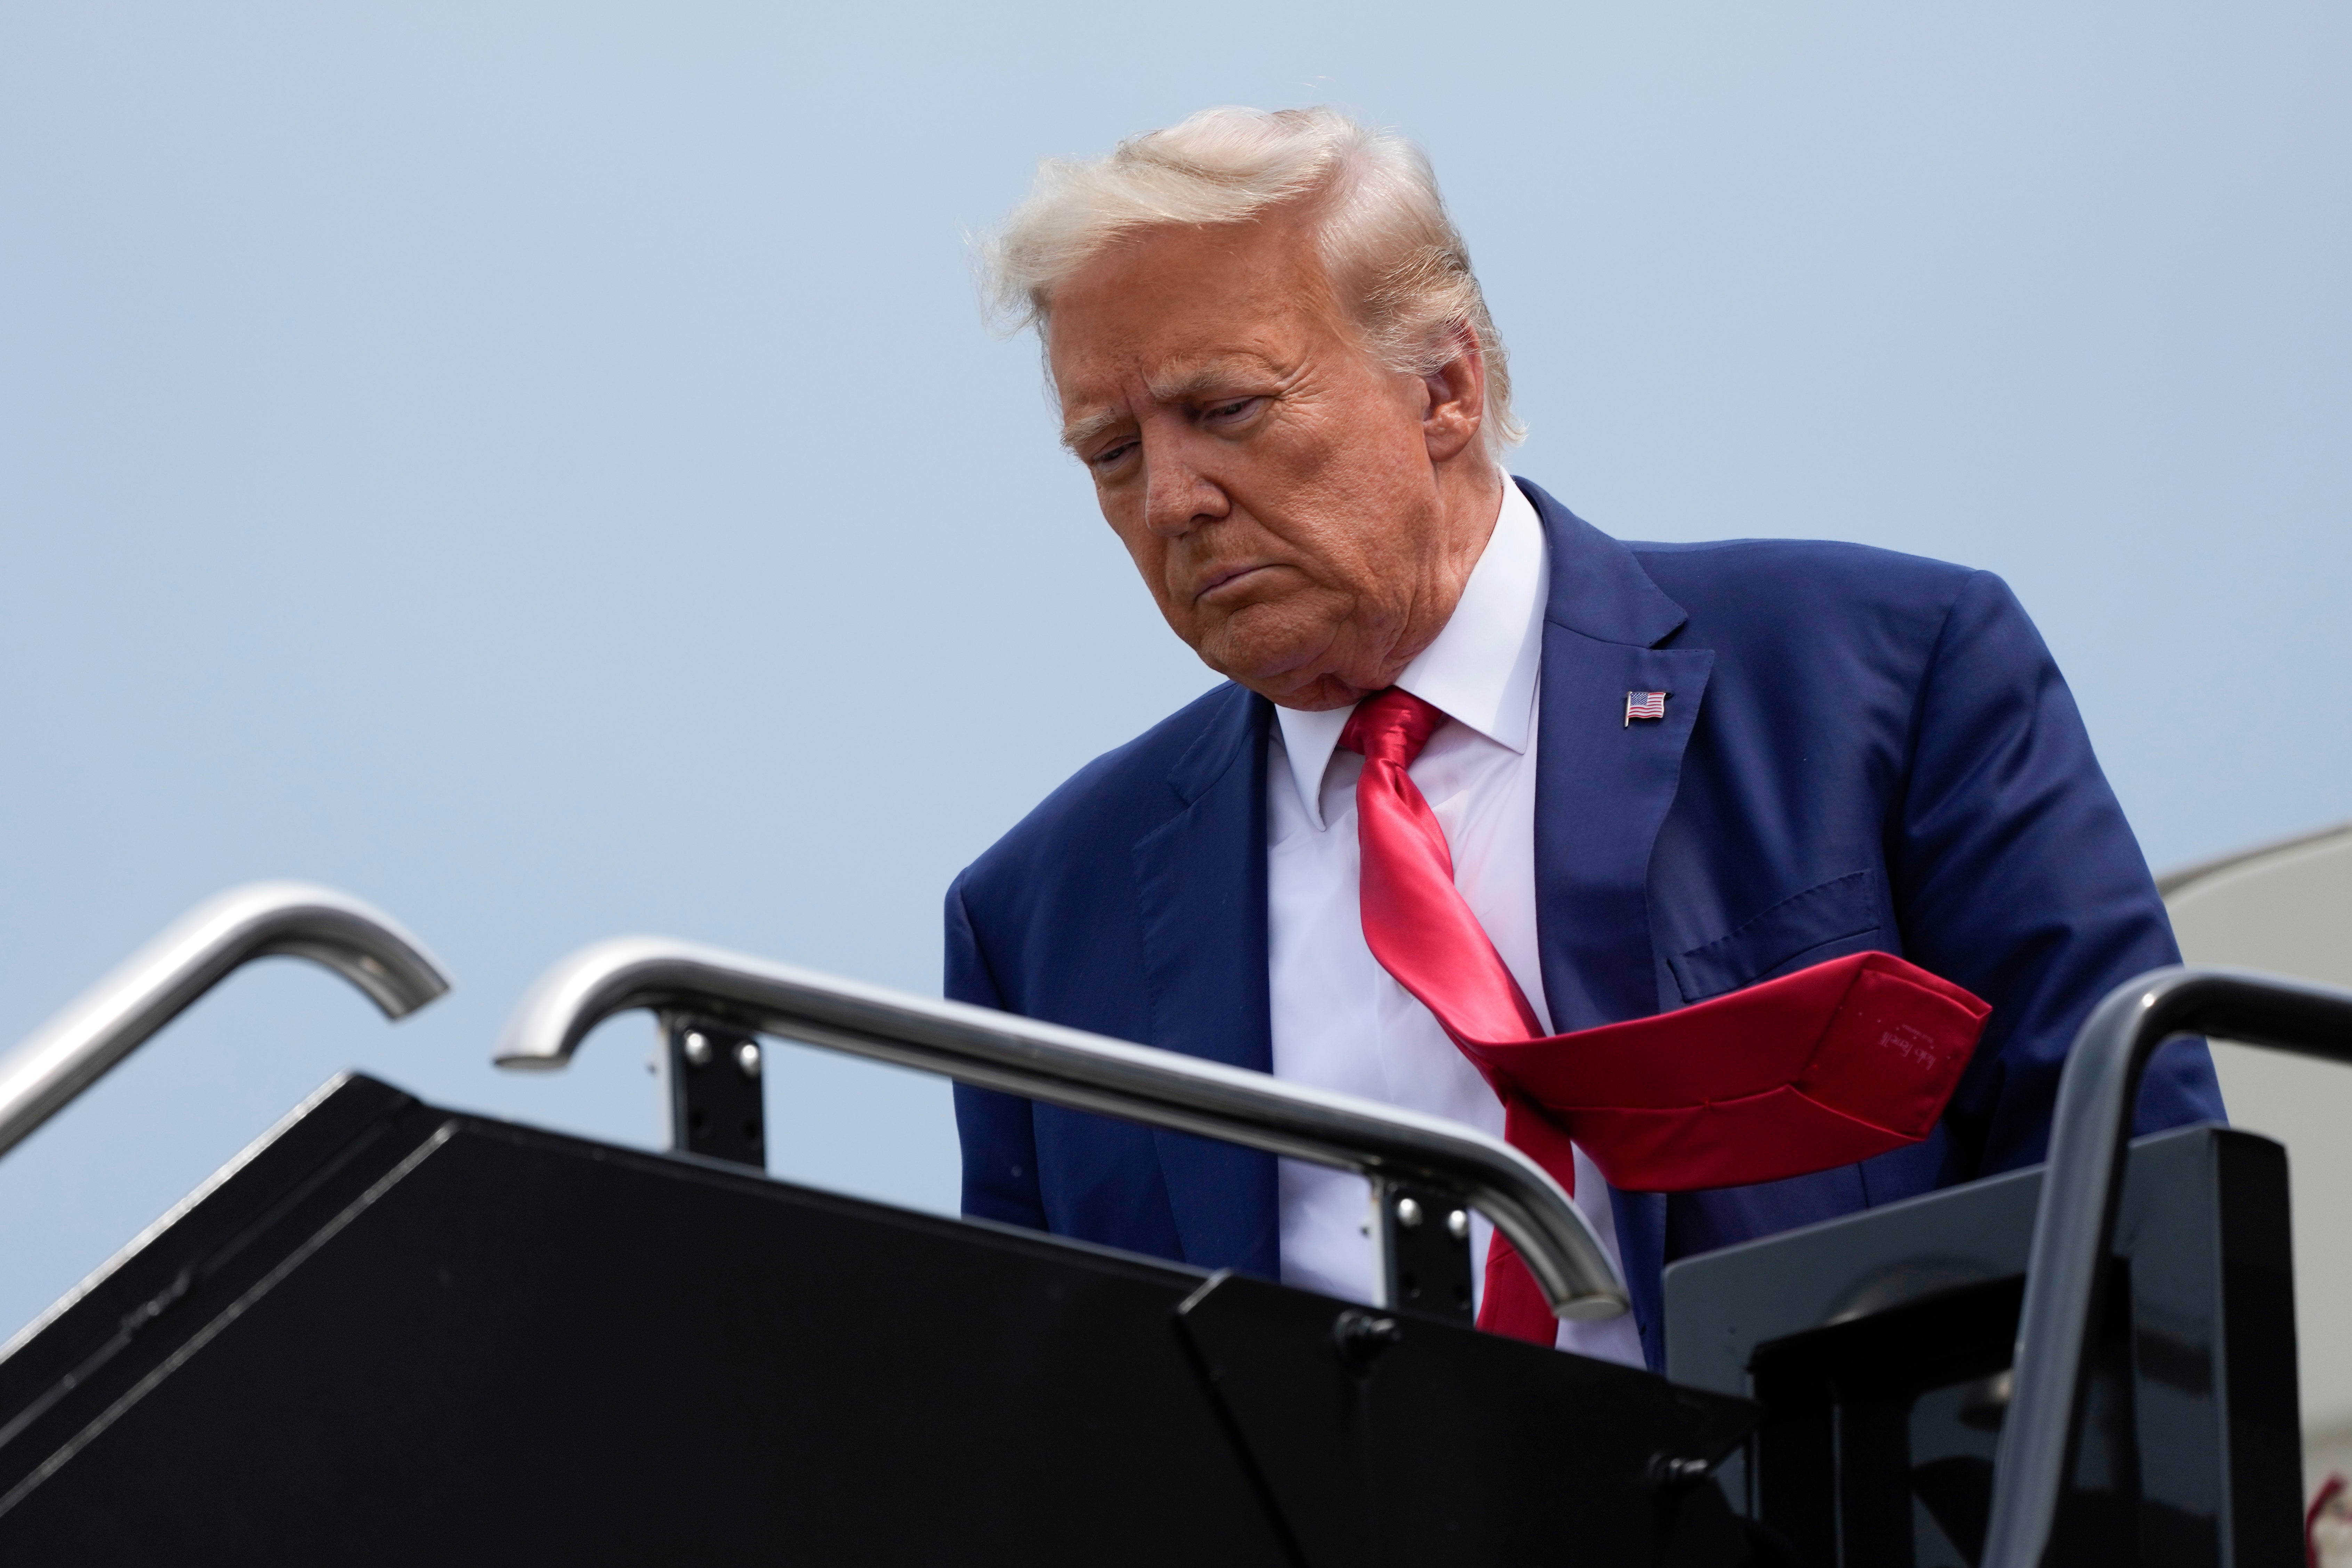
[(1456, 394)]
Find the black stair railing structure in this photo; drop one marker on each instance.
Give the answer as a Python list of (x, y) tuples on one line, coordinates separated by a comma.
[(379, 1276)]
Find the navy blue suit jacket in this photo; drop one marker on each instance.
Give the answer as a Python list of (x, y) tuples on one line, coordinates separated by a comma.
[(1862, 751)]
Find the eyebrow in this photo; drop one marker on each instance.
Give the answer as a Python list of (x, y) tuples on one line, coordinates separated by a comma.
[(1078, 432), (1202, 378), (1188, 383)]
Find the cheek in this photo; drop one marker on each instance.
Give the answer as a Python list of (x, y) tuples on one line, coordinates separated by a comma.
[(1325, 476), (1368, 505)]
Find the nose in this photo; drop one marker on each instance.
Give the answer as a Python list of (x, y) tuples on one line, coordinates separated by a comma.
[(1177, 496)]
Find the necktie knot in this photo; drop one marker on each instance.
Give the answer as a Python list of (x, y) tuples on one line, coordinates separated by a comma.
[(1392, 726)]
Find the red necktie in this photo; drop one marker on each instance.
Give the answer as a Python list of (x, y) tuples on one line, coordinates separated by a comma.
[(1819, 1069)]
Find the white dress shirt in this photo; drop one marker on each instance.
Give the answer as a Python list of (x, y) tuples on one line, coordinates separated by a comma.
[(1339, 1021)]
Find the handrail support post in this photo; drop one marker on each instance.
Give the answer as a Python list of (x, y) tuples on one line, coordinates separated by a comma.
[(712, 1073), (1420, 1244)]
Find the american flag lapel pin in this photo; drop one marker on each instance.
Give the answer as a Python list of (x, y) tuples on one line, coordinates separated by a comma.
[(1645, 705)]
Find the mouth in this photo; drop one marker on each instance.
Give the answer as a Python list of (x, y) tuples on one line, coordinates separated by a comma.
[(1225, 577)]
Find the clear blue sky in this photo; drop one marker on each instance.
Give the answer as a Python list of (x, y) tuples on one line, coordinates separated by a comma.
[(540, 468)]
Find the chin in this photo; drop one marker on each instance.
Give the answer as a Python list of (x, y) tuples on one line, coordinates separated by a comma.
[(1255, 661), (1261, 645), (1292, 682)]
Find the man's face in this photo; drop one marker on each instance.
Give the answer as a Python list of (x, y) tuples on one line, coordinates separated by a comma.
[(1274, 485)]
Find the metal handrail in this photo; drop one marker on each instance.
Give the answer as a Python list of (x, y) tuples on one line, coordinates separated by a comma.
[(196, 952), (2075, 1228), (1082, 1071)]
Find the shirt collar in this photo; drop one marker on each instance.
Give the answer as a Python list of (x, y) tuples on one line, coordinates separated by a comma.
[(1481, 670)]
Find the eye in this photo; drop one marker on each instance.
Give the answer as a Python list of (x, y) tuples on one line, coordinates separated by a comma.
[(1110, 457), (1231, 410)]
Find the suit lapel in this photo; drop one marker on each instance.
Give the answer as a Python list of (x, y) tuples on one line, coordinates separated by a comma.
[(1201, 880), (1602, 791), (1604, 785)]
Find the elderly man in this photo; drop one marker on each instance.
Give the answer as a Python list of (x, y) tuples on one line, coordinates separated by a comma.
[(1662, 773)]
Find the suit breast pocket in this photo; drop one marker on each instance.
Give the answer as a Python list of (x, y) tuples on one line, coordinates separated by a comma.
[(1822, 923)]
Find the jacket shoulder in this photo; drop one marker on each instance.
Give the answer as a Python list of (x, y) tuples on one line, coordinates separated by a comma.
[(1793, 602), (1124, 792), (1768, 570)]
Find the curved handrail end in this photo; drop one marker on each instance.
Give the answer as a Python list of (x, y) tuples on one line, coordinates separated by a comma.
[(155, 985)]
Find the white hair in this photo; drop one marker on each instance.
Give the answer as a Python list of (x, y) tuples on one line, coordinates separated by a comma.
[(1396, 263)]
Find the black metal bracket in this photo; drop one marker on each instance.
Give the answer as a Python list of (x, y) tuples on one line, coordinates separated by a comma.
[(1424, 1240), (713, 1073), (1361, 1336)]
